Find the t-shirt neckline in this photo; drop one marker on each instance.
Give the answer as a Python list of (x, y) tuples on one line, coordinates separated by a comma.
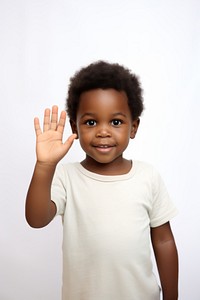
[(100, 177)]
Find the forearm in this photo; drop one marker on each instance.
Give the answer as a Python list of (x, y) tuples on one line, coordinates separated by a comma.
[(167, 262), (40, 210)]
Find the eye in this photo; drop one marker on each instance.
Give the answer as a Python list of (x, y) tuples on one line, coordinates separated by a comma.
[(116, 122), (91, 122)]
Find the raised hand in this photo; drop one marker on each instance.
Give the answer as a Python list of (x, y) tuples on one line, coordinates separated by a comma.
[(49, 146)]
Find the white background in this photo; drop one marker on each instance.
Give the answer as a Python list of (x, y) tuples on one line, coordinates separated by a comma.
[(43, 42)]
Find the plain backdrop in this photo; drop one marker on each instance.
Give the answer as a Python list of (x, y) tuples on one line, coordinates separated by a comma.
[(42, 44)]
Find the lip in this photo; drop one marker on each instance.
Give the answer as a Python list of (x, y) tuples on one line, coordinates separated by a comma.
[(104, 148)]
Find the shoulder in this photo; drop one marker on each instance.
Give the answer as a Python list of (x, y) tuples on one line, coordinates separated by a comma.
[(144, 168), (147, 173), (65, 170)]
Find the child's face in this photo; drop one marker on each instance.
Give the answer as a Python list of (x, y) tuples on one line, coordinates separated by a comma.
[(104, 126)]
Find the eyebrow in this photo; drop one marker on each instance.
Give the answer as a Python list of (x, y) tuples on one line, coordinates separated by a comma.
[(88, 114), (119, 114)]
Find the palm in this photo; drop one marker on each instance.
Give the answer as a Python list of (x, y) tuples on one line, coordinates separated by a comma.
[(49, 146)]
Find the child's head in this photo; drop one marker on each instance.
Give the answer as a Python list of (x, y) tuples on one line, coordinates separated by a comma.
[(105, 75)]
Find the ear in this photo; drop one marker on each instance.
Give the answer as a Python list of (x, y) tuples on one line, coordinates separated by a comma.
[(73, 127), (135, 125)]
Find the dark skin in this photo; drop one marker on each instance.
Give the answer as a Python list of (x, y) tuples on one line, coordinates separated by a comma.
[(104, 130), (50, 149), (167, 260), (106, 122)]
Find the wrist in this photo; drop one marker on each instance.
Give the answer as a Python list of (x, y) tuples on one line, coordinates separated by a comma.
[(45, 167)]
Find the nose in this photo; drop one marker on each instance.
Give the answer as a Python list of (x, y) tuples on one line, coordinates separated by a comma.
[(103, 131)]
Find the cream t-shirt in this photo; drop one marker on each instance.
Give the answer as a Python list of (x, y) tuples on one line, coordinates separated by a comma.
[(106, 231)]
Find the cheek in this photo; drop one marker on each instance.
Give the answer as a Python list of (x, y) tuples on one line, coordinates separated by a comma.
[(123, 135), (84, 137), (125, 138)]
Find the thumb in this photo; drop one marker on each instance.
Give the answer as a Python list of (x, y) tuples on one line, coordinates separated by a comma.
[(70, 140)]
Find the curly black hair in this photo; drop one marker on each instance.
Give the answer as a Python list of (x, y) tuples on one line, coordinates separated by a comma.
[(105, 75)]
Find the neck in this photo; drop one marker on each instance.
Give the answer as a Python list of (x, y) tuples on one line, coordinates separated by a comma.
[(117, 167)]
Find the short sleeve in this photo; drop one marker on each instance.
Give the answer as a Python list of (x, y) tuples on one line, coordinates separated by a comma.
[(163, 209), (58, 190)]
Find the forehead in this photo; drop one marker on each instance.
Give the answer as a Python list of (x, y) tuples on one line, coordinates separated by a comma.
[(99, 100)]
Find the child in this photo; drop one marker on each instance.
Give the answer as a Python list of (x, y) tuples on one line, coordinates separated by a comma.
[(110, 206)]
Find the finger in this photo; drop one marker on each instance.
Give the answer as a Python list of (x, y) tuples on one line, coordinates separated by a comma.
[(46, 122), (61, 123), (37, 127), (70, 140), (54, 117)]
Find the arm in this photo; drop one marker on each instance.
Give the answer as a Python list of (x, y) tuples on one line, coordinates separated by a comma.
[(40, 210), (167, 260)]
